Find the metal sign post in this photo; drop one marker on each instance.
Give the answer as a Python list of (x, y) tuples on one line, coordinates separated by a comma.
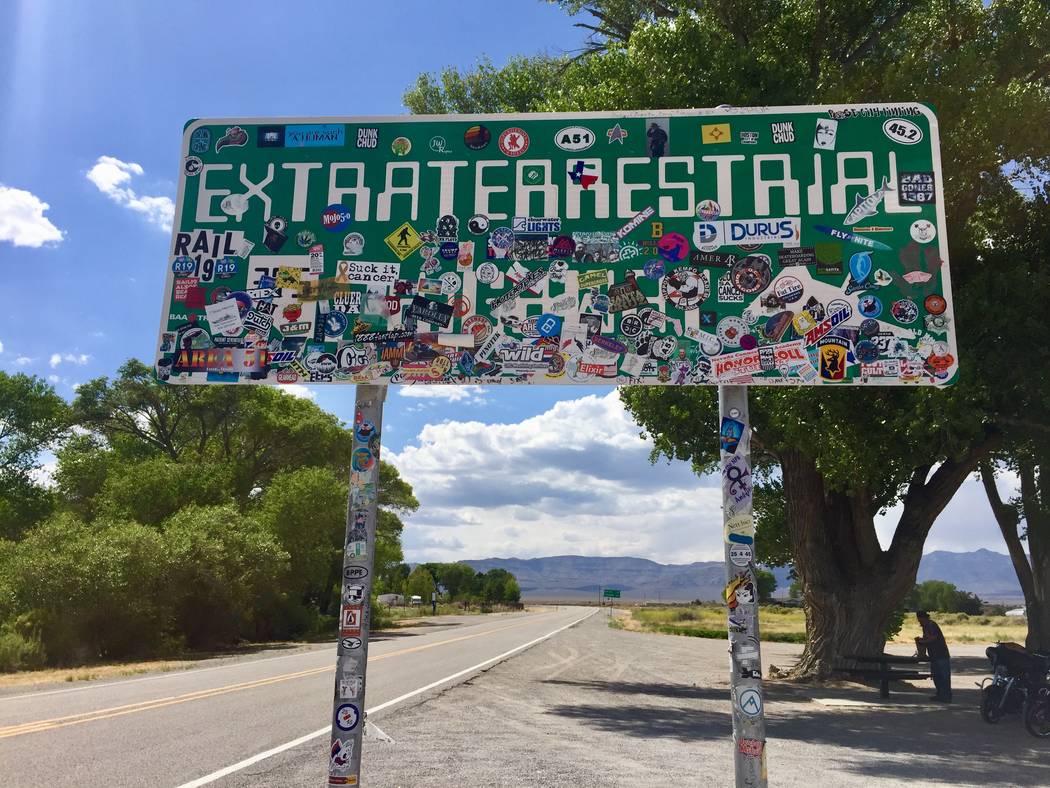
[(741, 593), (348, 709)]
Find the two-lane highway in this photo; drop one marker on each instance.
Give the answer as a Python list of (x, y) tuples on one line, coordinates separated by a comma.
[(193, 727)]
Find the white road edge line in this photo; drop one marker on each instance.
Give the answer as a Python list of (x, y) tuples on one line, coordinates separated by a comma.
[(210, 778)]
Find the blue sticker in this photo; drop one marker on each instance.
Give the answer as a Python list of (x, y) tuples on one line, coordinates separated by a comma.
[(449, 250), (315, 135), (200, 142), (860, 266), (869, 306), (653, 269), (362, 460), (183, 265), (741, 539), (549, 325), (867, 351), (731, 432), (334, 324), (364, 430), (347, 716)]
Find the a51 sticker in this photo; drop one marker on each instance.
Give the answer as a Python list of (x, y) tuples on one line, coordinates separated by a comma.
[(902, 131)]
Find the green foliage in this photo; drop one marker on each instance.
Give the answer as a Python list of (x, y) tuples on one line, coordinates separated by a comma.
[(91, 592), (517, 87), (719, 634), (767, 584), (943, 597), (152, 489), (456, 579), (20, 652), (189, 518), (894, 623), (32, 418), (305, 509), (225, 572), (420, 583)]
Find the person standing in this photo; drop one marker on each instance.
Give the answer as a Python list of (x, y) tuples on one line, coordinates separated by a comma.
[(932, 640)]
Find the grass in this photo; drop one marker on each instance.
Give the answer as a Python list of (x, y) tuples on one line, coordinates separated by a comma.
[(420, 611), (788, 625), (52, 675)]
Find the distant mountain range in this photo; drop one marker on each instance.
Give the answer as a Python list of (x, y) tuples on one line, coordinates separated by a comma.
[(988, 574)]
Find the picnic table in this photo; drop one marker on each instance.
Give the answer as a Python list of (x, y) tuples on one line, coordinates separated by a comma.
[(884, 672)]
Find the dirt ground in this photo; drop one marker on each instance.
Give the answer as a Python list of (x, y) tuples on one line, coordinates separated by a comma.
[(596, 706)]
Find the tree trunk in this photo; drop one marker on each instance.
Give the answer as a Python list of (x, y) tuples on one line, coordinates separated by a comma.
[(1037, 520), (851, 586), (1009, 520), (848, 596)]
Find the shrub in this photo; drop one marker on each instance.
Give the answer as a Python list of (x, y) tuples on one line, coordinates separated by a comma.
[(19, 652)]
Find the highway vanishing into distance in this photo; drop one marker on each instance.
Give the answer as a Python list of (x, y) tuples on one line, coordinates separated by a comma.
[(206, 725)]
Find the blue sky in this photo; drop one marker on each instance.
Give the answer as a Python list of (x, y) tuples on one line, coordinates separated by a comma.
[(93, 104)]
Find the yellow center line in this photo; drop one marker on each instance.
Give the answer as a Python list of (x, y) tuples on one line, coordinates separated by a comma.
[(132, 708)]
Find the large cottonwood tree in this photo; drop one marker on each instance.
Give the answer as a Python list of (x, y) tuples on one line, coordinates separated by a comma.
[(842, 456)]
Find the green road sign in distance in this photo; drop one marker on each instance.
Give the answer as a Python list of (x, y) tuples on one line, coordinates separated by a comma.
[(772, 246), (611, 592)]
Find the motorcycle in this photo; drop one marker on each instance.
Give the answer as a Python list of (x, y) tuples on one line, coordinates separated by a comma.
[(1018, 685)]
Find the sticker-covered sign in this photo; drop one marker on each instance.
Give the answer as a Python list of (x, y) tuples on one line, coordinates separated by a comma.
[(772, 246)]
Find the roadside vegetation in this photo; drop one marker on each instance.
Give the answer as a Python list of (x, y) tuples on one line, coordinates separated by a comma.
[(176, 520), (779, 624), (459, 590)]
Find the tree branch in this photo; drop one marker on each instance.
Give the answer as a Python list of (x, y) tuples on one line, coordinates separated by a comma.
[(1007, 518), (872, 40)]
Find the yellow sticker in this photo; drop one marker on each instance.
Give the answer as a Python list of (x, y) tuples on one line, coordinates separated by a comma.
[(404, 240), (711, 133), (803, 322), (289, 278)]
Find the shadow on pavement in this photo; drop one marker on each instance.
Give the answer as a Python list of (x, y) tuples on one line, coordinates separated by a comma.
[(919, 739)]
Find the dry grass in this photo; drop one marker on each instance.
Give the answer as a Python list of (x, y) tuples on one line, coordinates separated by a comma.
[(782, 622), (56, 675)]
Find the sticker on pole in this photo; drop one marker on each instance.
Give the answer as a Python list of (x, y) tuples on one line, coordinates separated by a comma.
[(749, 701), (347, 717), (777, 246)]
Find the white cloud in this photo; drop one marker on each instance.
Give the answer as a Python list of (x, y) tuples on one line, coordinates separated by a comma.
[(70, 358), (53, 379), (113, 178), (1, 347), (23, 360), (575, 479), (45, 474), (468, 394), (298, 390), (967, 522), (22, 220)]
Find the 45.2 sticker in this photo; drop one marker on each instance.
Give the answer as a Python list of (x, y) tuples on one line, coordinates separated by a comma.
[(902, 131)]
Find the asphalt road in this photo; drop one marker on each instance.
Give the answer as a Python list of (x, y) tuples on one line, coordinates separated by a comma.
[(186, 727), (596, 707)]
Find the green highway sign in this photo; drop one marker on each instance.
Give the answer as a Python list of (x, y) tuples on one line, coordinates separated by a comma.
[(763, 246), (612, 593)]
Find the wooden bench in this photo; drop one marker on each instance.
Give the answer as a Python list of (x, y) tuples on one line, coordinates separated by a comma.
[(884, 672)]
